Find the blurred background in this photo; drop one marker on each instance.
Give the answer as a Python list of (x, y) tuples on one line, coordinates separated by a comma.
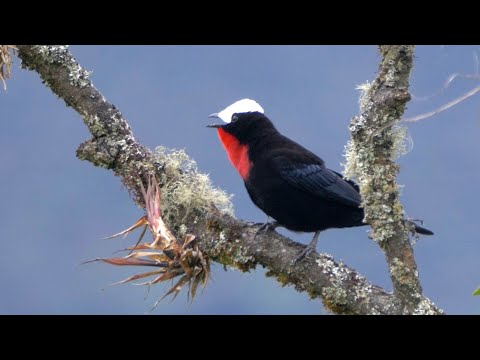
[(55, 209)]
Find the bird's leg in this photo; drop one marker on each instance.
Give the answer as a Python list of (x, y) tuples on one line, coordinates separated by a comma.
[(309, 248), (267, 226)]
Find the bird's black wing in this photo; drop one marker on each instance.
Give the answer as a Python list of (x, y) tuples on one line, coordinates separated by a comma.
[(351, 182), (316, 179)]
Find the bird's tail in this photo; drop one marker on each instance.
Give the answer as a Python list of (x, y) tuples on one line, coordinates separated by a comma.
[(422, 230)]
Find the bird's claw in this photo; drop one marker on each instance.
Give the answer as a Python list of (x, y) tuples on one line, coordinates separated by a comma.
[(266, 227), (308, 249), (304, 253)]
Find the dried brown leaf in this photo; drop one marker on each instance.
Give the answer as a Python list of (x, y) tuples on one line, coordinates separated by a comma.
[(140, 222), (144, 246), (161, 242), (206, 268), (194, 282), (140, 238), (187, 240), (139, 254), (175, 289), (6, 63), (164, 277), (138, 276), (186, 266), (181, 259), (127, 261)]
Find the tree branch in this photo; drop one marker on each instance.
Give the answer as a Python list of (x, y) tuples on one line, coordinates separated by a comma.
[(371, 154), (222, 237)]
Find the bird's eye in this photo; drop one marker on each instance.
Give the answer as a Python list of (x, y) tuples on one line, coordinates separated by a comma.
[(234, 117)]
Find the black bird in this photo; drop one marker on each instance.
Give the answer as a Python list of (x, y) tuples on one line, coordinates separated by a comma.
[(286, 181)]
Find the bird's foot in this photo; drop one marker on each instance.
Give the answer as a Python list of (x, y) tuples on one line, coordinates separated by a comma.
[(266, 227), (308, 249)]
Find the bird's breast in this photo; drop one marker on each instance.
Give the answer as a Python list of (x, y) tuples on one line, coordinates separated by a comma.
[(237, 153)]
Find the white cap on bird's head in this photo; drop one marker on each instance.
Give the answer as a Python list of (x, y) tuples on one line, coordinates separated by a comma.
[(241, 106)]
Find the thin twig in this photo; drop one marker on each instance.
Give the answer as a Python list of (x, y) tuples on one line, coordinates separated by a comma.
[(443, 107), (428, 114)]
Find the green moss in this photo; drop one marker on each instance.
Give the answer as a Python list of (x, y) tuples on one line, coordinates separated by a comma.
[(335, 300), (281, 277), (285, 279)]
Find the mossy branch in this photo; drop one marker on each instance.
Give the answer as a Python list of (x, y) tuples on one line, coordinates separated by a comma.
[(370, 158), (220, 236)]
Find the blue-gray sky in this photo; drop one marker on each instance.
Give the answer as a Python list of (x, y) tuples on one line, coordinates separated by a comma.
[(55, 208)]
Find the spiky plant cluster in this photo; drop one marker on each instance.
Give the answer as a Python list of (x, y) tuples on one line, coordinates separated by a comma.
[(178, 259), (5, 63)]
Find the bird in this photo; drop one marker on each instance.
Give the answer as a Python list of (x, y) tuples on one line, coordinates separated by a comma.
[(286, 181)]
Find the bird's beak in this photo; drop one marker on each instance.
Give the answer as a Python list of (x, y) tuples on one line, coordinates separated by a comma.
[(214, 115)]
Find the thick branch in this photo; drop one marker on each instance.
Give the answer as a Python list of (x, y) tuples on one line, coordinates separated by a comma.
[(222, 237), (373, 152)]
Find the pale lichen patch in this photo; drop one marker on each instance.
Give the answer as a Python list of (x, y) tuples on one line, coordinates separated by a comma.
[(364, 99), (427, 307), (335, 295), (78, 76), (391, 76), (185, 189), (59, 54), (231, 253), (376, 179)]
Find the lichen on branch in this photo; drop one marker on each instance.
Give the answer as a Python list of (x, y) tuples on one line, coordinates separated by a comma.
[(186, 189), (192, 204), (370, 156)]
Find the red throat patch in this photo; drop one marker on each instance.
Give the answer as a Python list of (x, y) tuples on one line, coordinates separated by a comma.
[(237, 153)]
